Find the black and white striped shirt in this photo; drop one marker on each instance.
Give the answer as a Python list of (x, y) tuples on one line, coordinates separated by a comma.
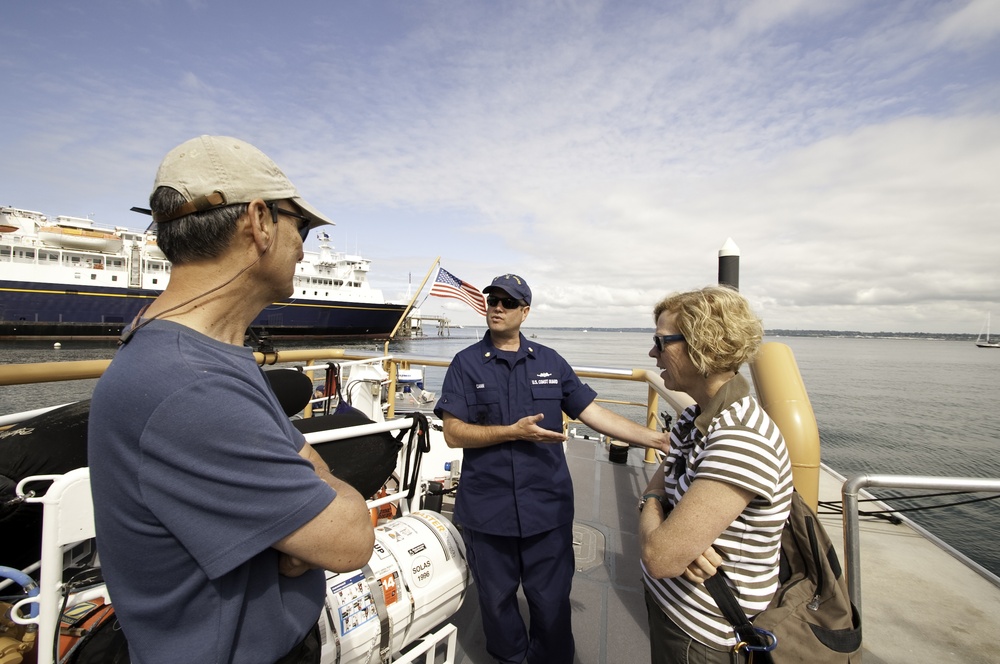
[(733, 441)]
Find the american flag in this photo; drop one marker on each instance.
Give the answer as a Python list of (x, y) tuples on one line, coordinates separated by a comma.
[(448, 285)]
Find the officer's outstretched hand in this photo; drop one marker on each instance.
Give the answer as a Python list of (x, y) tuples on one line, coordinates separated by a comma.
[(527, 429)]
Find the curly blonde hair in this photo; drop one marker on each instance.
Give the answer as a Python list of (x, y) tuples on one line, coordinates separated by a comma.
[(721, 330)]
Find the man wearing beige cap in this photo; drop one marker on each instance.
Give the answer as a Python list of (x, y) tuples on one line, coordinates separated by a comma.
[(214, 517)]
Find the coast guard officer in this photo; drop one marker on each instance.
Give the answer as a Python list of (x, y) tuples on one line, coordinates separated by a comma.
[(502, 402)]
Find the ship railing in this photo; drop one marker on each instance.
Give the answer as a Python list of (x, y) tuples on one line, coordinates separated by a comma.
[(312, 367), (319, 360), (310, 360), (314, 360), (855, 485)]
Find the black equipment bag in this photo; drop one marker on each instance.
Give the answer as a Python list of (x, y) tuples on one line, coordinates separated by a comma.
[(365, 462), (811, 617)]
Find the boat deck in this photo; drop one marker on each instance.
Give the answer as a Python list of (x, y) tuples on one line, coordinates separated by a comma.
[(920, 604)]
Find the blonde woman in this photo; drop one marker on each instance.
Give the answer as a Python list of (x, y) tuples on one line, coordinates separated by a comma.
[(722, 494)]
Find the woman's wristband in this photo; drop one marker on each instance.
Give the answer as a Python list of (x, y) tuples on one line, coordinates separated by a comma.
[(647, 496)]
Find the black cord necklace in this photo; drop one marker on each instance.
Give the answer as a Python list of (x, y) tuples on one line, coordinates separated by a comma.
[(133, 327)]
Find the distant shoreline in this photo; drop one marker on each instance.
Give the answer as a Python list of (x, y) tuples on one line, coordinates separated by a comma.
[(846, 334)]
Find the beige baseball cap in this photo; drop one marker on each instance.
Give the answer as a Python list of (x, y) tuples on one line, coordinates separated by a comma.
[(212, 171)]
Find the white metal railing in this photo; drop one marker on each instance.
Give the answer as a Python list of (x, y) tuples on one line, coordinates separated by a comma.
[(427, 647), (850, 490)]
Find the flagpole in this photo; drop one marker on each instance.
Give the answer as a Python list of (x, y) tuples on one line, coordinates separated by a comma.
[(409, 306), (392, 365)]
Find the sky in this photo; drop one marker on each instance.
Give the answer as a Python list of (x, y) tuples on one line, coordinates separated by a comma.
[(603, 150)]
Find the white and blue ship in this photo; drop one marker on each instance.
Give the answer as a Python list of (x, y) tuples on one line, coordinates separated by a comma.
[(67, 278)]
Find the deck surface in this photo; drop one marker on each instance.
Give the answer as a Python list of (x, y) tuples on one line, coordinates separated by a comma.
[(920, 604), (609, 614)]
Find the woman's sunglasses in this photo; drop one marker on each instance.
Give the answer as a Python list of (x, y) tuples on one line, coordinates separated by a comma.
[(661, 340)]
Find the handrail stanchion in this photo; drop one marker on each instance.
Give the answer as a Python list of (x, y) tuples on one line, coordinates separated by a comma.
[(391, 392), (852, 538)]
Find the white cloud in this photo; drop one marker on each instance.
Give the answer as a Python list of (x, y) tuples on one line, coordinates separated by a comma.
[(976, 22)]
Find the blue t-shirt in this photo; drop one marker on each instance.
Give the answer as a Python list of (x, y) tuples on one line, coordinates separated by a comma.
[(516, 488), (195, 473)]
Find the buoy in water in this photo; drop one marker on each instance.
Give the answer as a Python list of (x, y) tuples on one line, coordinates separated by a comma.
[(57, 345)]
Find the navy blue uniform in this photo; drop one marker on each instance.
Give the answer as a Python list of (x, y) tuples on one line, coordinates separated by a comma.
[(515, 499)]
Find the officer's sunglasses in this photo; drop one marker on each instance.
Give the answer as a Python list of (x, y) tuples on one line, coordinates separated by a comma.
[(507, 302)]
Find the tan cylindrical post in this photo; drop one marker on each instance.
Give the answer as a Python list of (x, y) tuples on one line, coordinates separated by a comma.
[(652, 403), (782, 393)]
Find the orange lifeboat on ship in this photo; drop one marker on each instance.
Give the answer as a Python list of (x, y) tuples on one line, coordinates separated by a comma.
[(72, 233), (153, 250)]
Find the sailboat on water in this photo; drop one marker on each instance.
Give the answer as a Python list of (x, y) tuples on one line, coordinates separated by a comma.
[(986, 343)]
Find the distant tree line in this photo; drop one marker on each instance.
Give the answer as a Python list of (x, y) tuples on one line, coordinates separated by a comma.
[(944, 336)]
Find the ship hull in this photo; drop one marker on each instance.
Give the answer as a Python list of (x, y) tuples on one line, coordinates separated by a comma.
[(50, 311)]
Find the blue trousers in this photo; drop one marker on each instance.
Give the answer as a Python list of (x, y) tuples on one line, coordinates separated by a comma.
[(542, 565)]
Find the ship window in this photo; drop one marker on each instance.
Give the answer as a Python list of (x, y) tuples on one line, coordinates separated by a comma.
[(114, 277), (155, 281), (5, 252), (93, 277)]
